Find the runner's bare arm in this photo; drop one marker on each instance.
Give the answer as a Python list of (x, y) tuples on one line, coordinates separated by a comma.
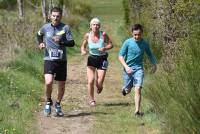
[(84, 44), (126, 67), (107, 41)]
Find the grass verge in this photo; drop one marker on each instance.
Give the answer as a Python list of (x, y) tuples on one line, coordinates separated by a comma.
[(20, 86)]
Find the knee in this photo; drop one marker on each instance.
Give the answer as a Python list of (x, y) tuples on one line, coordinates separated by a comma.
[(62, 85), (48, 83), (90, 81), (138, 90)]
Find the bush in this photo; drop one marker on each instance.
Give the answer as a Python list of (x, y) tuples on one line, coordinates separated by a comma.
[(176, 95)]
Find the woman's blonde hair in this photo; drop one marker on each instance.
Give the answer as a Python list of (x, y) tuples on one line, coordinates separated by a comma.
[(95, 20)]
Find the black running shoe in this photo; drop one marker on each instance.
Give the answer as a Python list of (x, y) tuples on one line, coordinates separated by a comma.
[(138, 114), (123, 92)]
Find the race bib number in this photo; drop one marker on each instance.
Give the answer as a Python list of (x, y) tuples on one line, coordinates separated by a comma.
[(55, 54)]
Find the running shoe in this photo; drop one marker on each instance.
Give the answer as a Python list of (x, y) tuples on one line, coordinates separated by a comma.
[(92, 103), (58, 109), (47, 109), (138, 114), (125, 92)]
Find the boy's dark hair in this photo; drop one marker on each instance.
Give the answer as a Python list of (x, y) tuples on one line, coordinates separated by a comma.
[(56, 9), (137, 27)]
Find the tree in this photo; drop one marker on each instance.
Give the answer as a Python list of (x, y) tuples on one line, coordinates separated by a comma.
[(21, 8), (61, 3), (44, 12)]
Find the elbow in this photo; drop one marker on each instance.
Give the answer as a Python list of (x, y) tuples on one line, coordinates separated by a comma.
[(69, 43), (72, 44), (111, 46), (120, 57)]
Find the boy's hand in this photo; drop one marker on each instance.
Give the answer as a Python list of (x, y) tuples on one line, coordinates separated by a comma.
[(153, 68), (129, 70)]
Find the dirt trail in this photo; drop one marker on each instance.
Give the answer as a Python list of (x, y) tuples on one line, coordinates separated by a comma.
[(79, 116), (77, 119)]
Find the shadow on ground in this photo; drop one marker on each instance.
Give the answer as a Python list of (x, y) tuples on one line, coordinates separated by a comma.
[(85, 114), (117, 104)]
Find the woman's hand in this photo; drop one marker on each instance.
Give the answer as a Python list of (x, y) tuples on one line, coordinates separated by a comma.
[(103, 49), (83, 52)]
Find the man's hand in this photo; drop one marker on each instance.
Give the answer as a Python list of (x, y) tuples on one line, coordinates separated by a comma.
[(56, 38), (41, 45), (153, 68), (129, 70)]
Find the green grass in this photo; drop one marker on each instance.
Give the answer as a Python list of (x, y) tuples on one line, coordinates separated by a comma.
[(117, 117), (20, 87), (111, 15)]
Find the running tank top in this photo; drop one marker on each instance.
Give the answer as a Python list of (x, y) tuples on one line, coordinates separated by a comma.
[(94, 46)]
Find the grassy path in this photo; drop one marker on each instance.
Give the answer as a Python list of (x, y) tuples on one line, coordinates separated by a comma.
[(113, 113)]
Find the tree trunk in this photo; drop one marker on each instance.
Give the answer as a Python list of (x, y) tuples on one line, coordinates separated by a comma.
[(21, 8), (44, 13), (50, 6), (61, 3)]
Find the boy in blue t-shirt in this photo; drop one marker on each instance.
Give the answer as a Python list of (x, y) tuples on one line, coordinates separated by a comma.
[(131, 57)]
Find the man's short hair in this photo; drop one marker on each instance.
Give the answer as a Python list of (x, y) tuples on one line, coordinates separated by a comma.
[(56, 9), (137, 27)]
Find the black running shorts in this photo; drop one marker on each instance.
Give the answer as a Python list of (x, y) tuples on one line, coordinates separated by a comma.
[(99, 62), (57, 68)]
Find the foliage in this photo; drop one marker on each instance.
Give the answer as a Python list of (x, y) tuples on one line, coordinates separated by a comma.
[(126, 12), (80, 7), (172, 26), (8, 4)]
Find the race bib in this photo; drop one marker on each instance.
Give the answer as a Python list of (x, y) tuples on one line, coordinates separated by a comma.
[(55, 54)]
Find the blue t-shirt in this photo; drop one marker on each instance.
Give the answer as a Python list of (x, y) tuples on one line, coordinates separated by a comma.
[(54, 51), (133, 53)]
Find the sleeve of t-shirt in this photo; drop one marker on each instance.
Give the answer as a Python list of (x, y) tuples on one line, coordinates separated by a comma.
[(124, 48), (149, 53), (40, 34), (67, 39), (41, 30), (69, 35)]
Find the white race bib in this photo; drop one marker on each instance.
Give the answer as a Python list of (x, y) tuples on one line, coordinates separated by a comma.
[(55, 54)]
